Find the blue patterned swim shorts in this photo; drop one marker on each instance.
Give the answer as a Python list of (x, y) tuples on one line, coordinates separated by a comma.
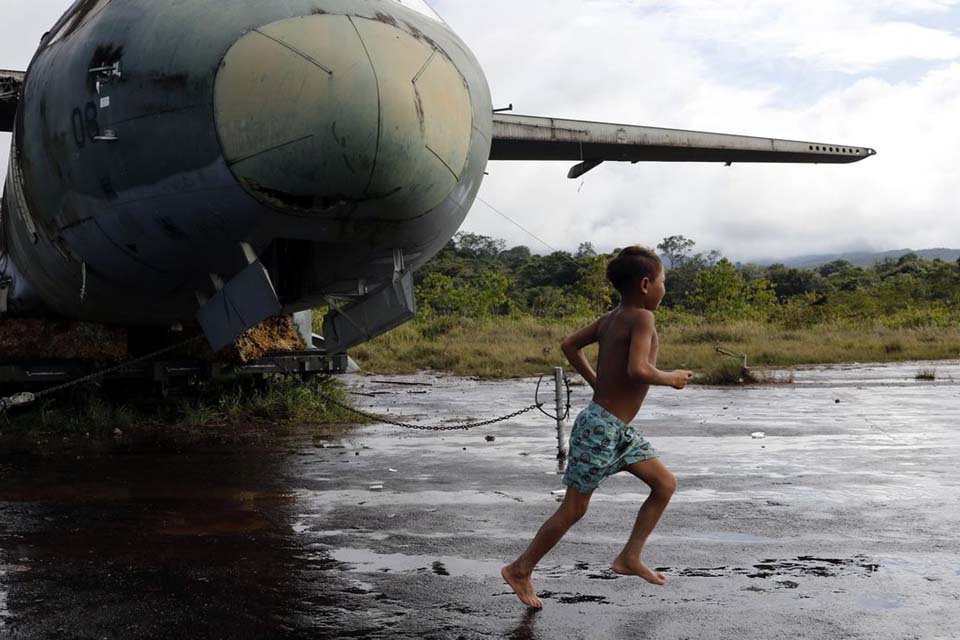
[(601, 445)]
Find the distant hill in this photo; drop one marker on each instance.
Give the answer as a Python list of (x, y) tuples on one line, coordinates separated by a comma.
[(861, 258)]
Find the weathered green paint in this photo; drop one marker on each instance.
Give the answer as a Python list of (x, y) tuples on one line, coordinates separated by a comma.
[(288, 94), (320, 112)]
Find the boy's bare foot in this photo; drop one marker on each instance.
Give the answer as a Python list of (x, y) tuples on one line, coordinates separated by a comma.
[(634, 567), (522, 586)]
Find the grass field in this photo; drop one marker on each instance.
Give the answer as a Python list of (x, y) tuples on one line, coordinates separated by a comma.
[(506, 347)]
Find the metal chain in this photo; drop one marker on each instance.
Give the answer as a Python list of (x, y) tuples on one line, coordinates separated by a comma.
[(417, 427), (120, 367), (29, 398), (436, 428)]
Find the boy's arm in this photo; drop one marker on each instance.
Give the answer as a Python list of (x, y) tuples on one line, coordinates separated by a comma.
[(573, 348), (640, 364)]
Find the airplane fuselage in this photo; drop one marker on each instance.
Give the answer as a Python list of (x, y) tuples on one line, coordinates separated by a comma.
[(153, 140)]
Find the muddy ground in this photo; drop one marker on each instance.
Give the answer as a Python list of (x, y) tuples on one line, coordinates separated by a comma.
[(840, 523)]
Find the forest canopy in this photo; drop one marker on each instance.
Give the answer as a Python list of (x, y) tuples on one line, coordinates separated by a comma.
[(476, 276)]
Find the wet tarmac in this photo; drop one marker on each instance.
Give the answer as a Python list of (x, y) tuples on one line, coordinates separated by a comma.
[(841, 522)]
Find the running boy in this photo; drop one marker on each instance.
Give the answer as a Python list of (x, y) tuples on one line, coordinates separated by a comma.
[(602, 442)]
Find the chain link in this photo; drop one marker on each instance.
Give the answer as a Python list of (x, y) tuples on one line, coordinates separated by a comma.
[(418, 427), (29, 398), (120, 367)]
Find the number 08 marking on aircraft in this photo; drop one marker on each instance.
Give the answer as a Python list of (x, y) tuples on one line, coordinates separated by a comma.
[(85, 124)]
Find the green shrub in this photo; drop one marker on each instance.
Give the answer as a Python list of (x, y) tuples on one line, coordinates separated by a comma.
[(726, 373)]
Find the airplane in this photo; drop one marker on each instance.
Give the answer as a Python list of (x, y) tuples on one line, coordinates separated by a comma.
[(218, 163)]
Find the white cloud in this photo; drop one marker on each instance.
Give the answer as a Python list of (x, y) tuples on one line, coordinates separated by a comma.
[(844, 35), (708, 66)]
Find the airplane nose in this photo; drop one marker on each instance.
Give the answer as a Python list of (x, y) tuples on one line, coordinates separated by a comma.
[(325, 113)]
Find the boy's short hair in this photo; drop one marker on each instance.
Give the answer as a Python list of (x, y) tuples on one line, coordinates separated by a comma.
[(633, 263)]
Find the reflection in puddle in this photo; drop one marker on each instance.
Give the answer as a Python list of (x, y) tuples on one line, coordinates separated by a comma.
[(378, 536), (4, 611), (526, 629), (214, 523), (391, 498), (6, 570), (301, 527), (366, 561)]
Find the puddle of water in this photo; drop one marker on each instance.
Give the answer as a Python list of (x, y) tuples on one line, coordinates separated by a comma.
[(215, 523), (903, 373), (328, 499), (366, 561), (933, 569), (880, 601), (730, 537), (84, 492), (379, 536), (300, 527), (6, 569), (4, 611)]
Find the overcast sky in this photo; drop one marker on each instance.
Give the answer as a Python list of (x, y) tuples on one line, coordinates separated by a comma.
[(878, 73)]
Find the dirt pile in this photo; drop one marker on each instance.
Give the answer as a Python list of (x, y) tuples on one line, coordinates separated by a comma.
[(23, 339), (273, 335)]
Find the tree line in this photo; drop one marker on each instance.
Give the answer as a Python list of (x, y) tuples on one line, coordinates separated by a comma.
[(477, 276)]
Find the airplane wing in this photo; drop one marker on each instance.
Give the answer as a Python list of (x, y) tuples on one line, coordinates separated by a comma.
[(10, 84), (517, 137)]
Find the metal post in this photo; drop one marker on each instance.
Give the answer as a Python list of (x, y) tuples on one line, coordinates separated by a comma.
[(561, 408)]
